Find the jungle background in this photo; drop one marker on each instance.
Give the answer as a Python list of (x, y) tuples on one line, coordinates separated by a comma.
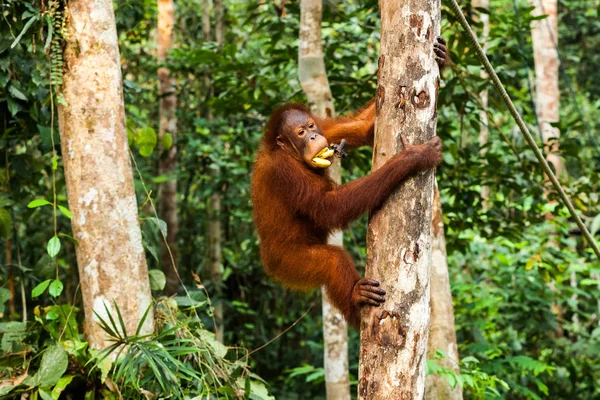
[(525, 288)]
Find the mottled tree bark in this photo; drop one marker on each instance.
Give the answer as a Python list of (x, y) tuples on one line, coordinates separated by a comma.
[(484, 94), (441, 328), (394, 336), (219, 23), (167, 163), (215, 255), (214, 231), (313, 78), (544, 34), (110, 256)]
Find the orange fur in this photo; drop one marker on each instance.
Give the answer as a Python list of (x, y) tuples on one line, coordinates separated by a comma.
[(296, 207)]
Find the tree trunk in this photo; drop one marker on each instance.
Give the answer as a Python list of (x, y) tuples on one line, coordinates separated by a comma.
[(545, 39), (168, 157), (394, 336), (215, 257), (313, 78), (219, 23), (110, 256), (214, 232), (484, 94), (12, 309), (441, 328)]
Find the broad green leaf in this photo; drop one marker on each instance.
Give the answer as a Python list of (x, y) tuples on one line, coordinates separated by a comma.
[(61, 385), (5, 223), (52, 367), (41, 288), (157, 279), (56, 288), (4, 296), (167, 141), (16, 93), (53, 246), (38, 203), (24, 31), (13, 106), (145, 139), (65, 211), (258, 391), (162, 225), (211, 340), (44, 395)]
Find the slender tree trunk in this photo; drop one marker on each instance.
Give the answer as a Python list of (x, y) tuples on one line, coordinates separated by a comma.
[(110, 256), (214, 231), (313, 78), (441, 328), (168, 158), (12, 309), (215, 256), (219, 23), (544, 34), (484, 94), (545, 39), (394, 336)]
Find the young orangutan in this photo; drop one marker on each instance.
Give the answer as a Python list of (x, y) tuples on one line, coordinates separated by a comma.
[(297, 205)]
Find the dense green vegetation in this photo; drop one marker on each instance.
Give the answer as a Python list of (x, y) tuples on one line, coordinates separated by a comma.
[(525, 287)]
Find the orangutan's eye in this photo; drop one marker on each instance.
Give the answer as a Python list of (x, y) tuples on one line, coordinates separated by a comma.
[(301, 133), (311, 126)]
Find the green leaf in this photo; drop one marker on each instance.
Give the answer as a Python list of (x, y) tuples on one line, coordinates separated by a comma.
[(44, 395), (38, 203), (16, 93), (24, 31), (5, 223), (158, 279), (52, 367), (595, 225), (4, 296), (60, 99), (56, 288), (61, 385), (53, 246), (48, 20), (13, 106), (162, 225), (167, 141), (65, 211), (41, 288), (145, 139)]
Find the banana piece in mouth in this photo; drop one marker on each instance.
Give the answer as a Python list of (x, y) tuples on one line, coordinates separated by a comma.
[(321, 159)]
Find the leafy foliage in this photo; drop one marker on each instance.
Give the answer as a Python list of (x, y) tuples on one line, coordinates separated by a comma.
[(525, 287)]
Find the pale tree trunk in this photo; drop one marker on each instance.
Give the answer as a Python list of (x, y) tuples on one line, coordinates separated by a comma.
[(219, 23), (206, 19), (110, 256), (214, 231), (313, 78), (168, 157), (544, 34), (215, 257), (484, 94), (394, 336), (441, 328)]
